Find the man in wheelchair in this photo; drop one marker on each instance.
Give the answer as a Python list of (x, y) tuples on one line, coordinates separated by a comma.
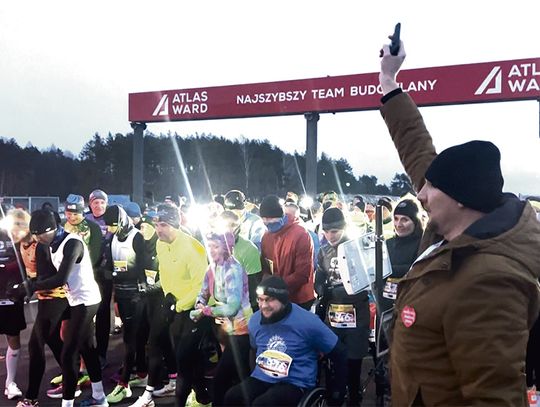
[(288, 341)]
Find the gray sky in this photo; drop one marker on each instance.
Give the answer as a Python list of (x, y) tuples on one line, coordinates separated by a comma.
[(66, 69)]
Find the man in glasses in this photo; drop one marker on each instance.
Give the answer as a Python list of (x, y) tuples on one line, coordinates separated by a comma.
[(288, 341)]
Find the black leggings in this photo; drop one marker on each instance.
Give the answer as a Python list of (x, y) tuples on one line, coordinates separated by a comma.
[(353, 381), (103, 317), (79, 338), (129, 314), (187, 336), (255, 392), (142, 333), (232, 368), (159, 341), (46, 330)]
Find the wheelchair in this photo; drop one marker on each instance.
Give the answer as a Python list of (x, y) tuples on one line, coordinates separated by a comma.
[(316, 397)]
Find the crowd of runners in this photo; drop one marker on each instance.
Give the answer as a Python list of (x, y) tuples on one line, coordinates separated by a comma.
[(235, 303), (178, 278)]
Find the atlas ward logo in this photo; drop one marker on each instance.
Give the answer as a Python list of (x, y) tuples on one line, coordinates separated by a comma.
[(162, 108), (494, 78)]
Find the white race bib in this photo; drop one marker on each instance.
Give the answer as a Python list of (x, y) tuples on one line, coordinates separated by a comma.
[(274, 363), (342, 315)]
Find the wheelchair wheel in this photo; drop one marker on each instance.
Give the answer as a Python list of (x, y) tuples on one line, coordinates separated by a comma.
[(313, 398)]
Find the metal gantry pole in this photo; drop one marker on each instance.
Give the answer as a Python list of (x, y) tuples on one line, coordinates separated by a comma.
[(379, 239), (311, 153), (138, 162)]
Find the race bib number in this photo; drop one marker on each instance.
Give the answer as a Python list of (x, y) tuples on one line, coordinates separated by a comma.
[(150, 276), (274, 363), (390, 289), (342, 315), (120, 266)]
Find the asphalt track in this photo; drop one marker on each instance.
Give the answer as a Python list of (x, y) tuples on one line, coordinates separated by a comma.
[(114, 362)]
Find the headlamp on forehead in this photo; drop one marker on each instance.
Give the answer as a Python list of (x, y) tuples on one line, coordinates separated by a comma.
[(42, 221), (272, 291)]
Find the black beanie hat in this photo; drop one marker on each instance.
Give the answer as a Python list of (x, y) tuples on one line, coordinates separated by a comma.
[(234, 199), (409, 208), (470, 173), (42, 221), (169, 214), (111, 215), (333, 218), (270, 207), (274, 286)]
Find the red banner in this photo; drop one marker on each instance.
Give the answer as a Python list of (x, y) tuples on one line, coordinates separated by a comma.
[(456, 84)]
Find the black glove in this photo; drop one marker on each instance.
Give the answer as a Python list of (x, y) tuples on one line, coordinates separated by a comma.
[(19, 291), (140, 294), (169, 307), (320, 306), (154, 290)]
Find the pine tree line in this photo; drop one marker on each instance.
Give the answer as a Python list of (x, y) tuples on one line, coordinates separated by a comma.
[(212, 165)]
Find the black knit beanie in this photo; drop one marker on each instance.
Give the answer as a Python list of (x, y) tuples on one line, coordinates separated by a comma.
[(234, 199), (407, 207), (42, 221), (333, 218), (169, 214), (470, 173), (111, 215), (270, 207), (274, 286)]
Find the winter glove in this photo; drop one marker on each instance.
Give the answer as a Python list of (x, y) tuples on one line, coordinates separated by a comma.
[(143, 289), (169, 307), (20, 291), (390, 65), (320, 306)]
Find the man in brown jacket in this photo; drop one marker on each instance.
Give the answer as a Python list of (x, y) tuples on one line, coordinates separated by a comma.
[(464, 309)]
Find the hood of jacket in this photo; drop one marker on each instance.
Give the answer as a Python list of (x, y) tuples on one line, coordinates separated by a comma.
[(511, 230)]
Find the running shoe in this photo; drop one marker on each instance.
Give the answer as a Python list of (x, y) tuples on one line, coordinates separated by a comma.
[(92, 402), (56, 380), (84, 380), (27, 403), (138, 381), (167, 390), (143, 402), (118, 394), (57, 392), (12, 391)]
